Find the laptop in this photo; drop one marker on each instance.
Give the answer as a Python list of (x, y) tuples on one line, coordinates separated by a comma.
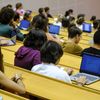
[(54, 29), (8, 42), (87, 27), (90, 68)]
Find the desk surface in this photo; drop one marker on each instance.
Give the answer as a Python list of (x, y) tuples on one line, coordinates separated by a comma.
[(67, 60), (9, 96), (50, 88)]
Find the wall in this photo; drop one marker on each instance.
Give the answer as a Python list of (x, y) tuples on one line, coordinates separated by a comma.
[(88, 7)]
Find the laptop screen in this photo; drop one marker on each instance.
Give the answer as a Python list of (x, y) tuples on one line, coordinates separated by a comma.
[(54, 29), (87, 27), (90, 64)]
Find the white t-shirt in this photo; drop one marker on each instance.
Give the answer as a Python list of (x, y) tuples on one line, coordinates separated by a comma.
[(52, 71)]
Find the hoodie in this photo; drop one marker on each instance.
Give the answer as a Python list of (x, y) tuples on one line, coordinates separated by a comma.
[(27, 57)]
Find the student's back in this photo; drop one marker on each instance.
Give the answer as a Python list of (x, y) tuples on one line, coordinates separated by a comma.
[(95, 49), (29, 55), (6, 16), (5, 30), (74, 36), (72, 48), (51, 53)]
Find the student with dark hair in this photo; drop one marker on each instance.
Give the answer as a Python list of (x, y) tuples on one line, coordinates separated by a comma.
[(95, 49), (9, 6), (14, 23), (25, 23), (42, 24), (93, 18), (6, 16), (41, 14), (96, 24), (47, 11), (29, 55), (51, 52), (79, 22), (19, 9), (80, 15), (70, 12), (16, 86), (67, 14), (74, 36)]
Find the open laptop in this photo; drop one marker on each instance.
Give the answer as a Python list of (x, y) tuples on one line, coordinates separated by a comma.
[(54, 29), (87, 27), (8, 42), (90, 68)]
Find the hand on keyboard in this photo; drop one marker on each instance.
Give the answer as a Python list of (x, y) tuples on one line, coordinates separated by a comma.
[(81, 80)]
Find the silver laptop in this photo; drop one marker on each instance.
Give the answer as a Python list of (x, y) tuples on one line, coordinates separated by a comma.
[(8, 42), (90, 68)]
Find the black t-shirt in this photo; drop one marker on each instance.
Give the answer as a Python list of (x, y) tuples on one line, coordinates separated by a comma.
[(91, 50)]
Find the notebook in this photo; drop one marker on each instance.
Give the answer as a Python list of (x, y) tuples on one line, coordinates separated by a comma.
[(54, 29), (87, 27), (90, 68), (8, 42)]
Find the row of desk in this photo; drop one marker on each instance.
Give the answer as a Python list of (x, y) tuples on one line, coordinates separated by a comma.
[(49, 88), (67, 60)]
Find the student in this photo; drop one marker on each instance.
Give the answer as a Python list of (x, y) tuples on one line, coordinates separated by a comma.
[(29, 55), (93, 18), (79, 22), (47, 11), (9, 6), (9, 84), (41, 14), (25, 23), (6, 16), (67, 14), (19, 9), (95, 49), (80, 15), (96, 24), (42, 24), (70, 12), (51, 52), (14, 23), (74, 36)]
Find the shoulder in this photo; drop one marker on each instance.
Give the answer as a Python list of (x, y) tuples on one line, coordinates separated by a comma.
[(36, 67), (77, 47)]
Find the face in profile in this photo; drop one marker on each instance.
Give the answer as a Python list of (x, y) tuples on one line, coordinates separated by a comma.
[(78, 38)]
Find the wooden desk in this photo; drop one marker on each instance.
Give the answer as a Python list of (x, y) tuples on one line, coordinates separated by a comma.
[(9, 96), (68, 60), (50, 88)]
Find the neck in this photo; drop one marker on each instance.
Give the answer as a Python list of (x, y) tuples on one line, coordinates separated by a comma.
[(71, 40)]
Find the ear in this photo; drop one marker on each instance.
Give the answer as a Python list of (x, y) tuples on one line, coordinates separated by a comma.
[(76, 36)]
